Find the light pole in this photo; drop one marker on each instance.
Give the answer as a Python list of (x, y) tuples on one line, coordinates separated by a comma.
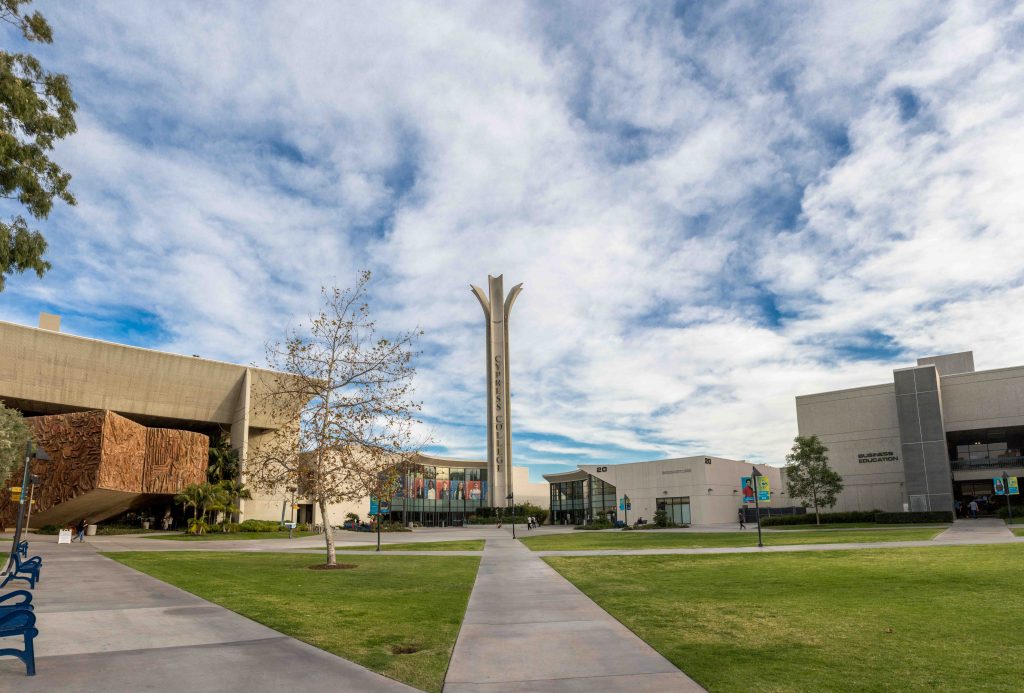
[(291, 523), (757, 508), (31, 452), (511, 497), (1006, 490)]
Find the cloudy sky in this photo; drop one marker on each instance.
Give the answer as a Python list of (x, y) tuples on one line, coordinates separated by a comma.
[(713, 207)]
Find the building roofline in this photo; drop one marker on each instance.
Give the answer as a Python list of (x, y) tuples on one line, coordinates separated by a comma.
[(104, 342)]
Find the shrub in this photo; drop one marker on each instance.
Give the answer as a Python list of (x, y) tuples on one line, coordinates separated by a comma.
[(259, 526), (49, 529), (826, 518), (661, 518), (229, 527), (597, 524), (914, 517)]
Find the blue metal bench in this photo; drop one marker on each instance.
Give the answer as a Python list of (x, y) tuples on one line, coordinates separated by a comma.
[(25, 603), (27, 570), (23, 548), (15, 622)]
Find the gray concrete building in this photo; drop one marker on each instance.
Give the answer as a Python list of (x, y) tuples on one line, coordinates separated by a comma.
[(938, 433)]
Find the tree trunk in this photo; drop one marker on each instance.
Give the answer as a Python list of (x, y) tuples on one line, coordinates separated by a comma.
[(328, 534), (817, 515)]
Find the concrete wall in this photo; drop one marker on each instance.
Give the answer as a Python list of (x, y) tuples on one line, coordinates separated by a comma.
[(987, 399), (857, 426), (52, 368)]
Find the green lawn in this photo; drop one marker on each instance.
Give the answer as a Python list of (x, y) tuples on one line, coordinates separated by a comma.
[(1018, 532), (456, 545), (357, 614), (578, 541), (229, 536), (918, 619)]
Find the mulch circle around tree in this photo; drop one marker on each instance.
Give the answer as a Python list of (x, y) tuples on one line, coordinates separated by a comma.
[(405, 648), (339, 566)]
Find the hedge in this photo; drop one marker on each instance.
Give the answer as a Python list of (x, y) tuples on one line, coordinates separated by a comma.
[(920, 517), (876, 516), (826, 518)]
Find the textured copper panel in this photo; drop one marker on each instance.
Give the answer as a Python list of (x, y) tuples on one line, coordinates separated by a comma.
[(102, 451), (124, 454), (174, 459), (74, 442)]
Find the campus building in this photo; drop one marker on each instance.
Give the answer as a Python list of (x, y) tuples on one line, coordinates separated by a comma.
[(128, 428), (939, 432), (691, 490)]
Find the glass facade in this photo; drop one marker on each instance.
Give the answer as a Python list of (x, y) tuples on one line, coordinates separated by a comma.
[(581, 501), (678, 509), (440, 496)]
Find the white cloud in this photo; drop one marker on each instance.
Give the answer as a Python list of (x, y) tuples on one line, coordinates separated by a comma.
[(705, 210)]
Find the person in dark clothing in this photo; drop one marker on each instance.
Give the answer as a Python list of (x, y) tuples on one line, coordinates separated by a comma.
[(742, 519), (80, 528)]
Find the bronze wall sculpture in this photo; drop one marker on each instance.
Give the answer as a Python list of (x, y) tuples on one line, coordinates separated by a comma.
[(103, 464)]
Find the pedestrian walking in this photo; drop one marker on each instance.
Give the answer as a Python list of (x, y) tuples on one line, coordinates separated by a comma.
[(81, 530), (973, 507), (742, 519)]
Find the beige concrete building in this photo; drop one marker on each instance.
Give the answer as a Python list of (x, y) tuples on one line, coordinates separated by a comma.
[(692, 490), (44, 371), (938, 433)]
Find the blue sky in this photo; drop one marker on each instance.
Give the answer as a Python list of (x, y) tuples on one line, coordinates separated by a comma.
[(713, 207)]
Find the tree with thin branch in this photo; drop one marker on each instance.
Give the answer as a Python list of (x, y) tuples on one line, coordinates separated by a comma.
[(808, 476), (342, 397)]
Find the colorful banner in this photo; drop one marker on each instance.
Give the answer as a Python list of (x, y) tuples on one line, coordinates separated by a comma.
[(748, 489), (764, 490), (1011, 486), (997, 484)]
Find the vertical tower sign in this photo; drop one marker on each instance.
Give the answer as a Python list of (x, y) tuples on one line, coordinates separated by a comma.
[(497, 308)]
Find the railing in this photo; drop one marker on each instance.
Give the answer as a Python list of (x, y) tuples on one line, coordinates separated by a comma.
[(987, 463)]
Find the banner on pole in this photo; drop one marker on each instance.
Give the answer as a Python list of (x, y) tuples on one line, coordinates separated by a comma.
[(764, 490), (748, 489), (997, 484), (1011, 486)]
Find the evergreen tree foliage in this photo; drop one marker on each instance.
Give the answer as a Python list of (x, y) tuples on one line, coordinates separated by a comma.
[(36, 110)]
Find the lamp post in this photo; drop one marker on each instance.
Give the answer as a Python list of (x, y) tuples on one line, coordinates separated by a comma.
[(1006, 490), (757, 508), (511, 497), (291, 522), (31, 452)]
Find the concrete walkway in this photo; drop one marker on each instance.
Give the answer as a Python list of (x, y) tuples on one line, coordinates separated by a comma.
[(104, 627), (529, 629), (972, 531)]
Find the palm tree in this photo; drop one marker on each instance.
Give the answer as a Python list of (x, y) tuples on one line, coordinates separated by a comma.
[(223, 463)]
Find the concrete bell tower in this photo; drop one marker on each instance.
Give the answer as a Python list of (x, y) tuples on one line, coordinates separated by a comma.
[(497, 308)]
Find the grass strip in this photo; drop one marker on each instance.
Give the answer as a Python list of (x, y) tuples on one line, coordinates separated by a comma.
[(228, 536), (455, 545), (412, 602), (581, 541), (865, 620)]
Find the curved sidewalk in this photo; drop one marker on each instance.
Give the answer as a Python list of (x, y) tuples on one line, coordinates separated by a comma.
[(528, 629), (104, 627)]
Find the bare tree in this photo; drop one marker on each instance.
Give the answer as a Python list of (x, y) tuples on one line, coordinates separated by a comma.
[(343, 399)]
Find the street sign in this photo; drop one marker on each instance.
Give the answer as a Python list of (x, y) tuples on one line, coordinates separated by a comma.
[(373, 506), (748, 489), (764, 490), (290, 525), (15, 489), (1011, 486), (997, 483)]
